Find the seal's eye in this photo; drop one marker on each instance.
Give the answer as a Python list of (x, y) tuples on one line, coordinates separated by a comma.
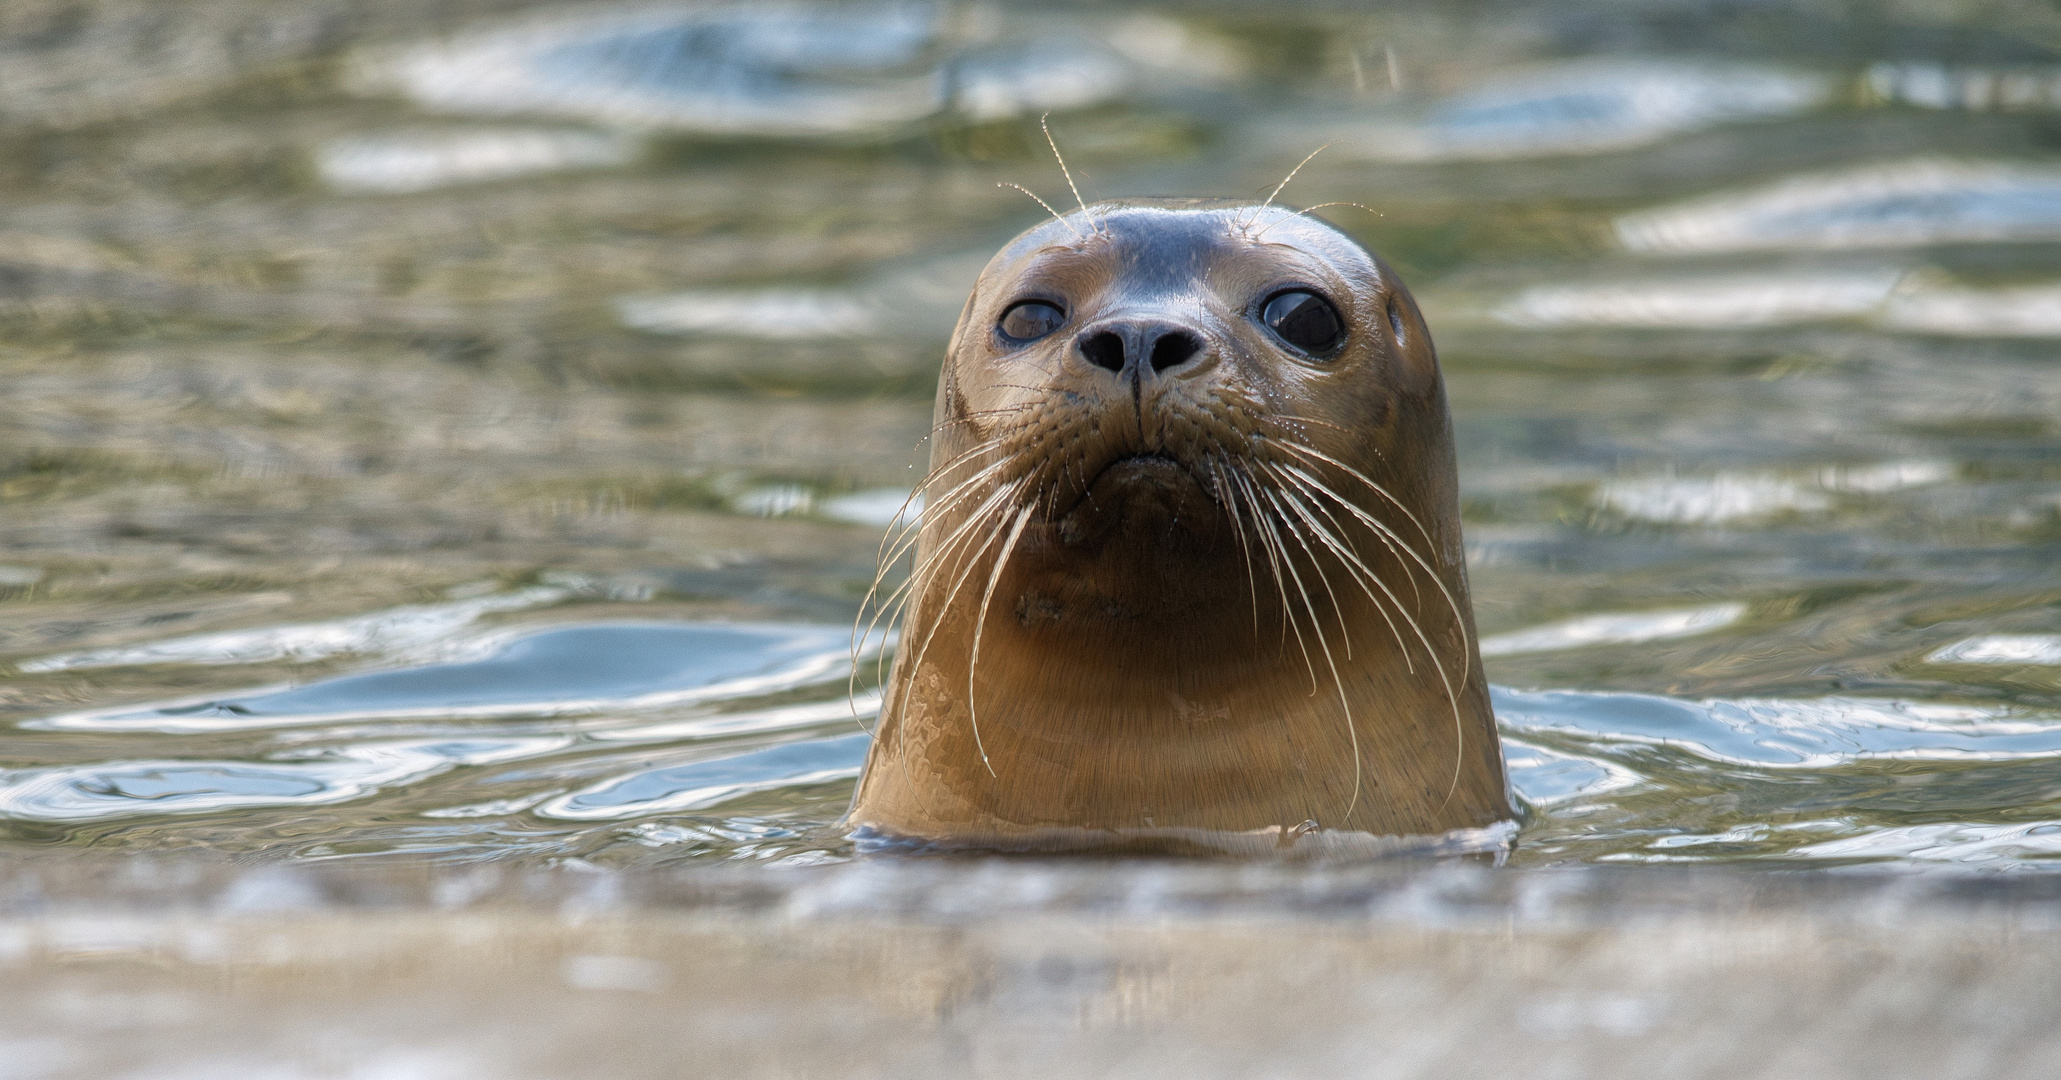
[(1305, 320), (1030, 320)]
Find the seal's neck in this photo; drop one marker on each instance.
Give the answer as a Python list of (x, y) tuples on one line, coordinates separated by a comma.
[(1165, 677)]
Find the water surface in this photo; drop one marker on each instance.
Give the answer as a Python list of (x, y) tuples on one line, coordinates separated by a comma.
[(468, 436)]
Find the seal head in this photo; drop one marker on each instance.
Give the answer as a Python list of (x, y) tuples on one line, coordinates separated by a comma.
[(1191, 558)]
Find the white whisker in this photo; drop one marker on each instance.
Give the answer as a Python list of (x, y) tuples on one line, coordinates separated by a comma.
[(1253, 219), (1077, 234), (1230, 502), (1459, 622), (1345, 704), (980, 620), (1045, 124), (1288, 560), (1361, 573)]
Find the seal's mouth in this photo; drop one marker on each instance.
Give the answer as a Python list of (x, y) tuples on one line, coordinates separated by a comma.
[(1154, 477), (1152, 468)]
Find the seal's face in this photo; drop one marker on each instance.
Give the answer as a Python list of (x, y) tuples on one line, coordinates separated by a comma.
[(1147, 355), (1191, 553)]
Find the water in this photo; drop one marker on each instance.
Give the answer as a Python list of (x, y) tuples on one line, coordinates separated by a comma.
[(466, 437)]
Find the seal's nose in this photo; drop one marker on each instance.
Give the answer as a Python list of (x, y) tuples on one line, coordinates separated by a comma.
[(1141, 345)]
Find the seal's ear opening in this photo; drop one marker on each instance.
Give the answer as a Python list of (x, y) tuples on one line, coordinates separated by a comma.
[(1417, 358)]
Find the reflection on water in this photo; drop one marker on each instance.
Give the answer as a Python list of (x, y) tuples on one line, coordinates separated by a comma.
[(123, 788), (403, 161), (784, 69), (2032, 311), (919, 302), (1938, 86), (1833, 779), (712, 783), (2002, 649), (1589, 106), (1613, 629), (466, 435), (571, 670), (397, 631), (1896, 204), (1710, 301)]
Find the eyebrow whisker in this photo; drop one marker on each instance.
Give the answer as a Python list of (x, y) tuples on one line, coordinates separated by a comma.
[(1319, 206), (1254, 218), (1077, 234), (1045, 125)]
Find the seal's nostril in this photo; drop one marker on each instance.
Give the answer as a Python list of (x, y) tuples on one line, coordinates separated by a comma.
[(1104, 350), (1174, 349)]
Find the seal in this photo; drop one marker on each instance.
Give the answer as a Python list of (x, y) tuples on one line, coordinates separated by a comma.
[(1190, 561)]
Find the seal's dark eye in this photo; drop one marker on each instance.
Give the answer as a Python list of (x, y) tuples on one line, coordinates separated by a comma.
[(1030, 320), (1306, 321)]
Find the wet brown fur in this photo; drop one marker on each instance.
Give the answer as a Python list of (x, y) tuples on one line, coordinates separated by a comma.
[(1228, 596)]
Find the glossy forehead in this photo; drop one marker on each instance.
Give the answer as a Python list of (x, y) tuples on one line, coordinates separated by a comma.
[(1169, 245)]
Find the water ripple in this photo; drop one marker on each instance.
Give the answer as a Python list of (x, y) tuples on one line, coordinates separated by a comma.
[(569, 670), (1589, 106), (1614, 629), (1606, 776), (857, 709), (1897, 204), (1776, 733), (2002, 649), (1966, 844), (392, 631), (1705, 301), (122, 788), (759, 70), (393, 162), (710, 783)]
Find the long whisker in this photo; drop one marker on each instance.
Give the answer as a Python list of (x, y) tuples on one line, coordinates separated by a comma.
[(1316, 567), (1407, 556), (1345, 704), (1460, 625), (1008, 410), (966, 561), (1459, 733), (980, 620), (1230, 501), (1288, 560), (1452, 602), (935, 475), (1299, 449), (950, 548), (1313, 420), (1249, 222), (1273, 558), (1308, 209), (1077, 234), (1045, 125), (1361, 573), (1380, 527), (910, 536)]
